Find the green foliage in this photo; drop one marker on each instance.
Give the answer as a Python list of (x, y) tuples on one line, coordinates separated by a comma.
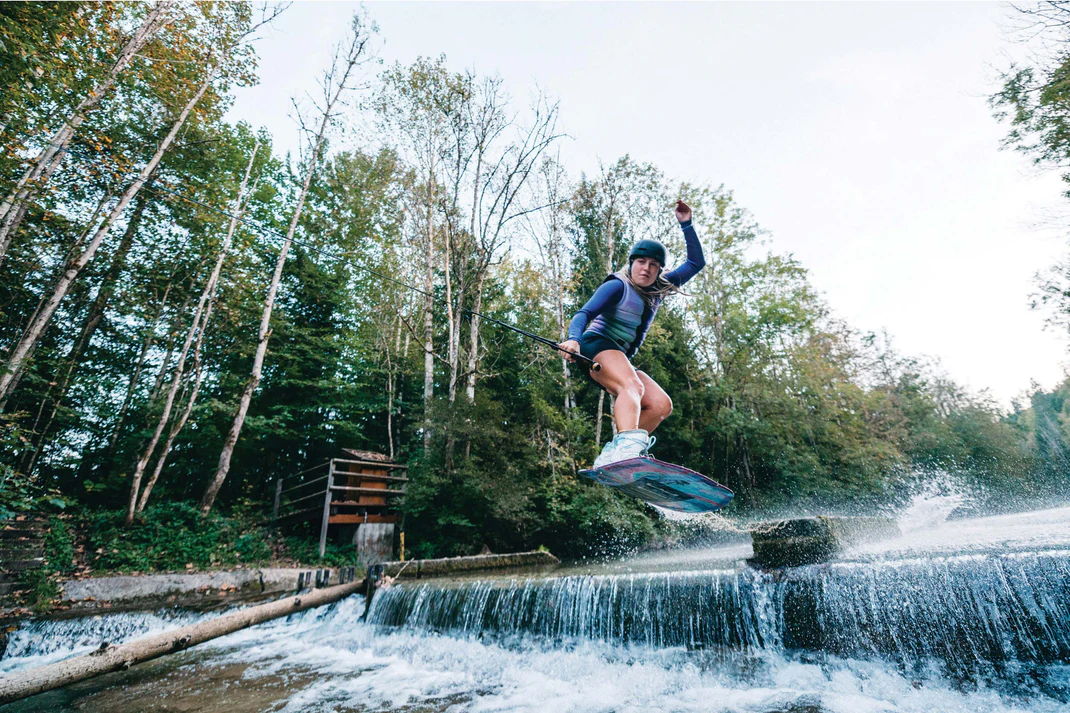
[(41, 584), (171, 537), (306, 551), (42, 589), (59, 546), (773, 396)]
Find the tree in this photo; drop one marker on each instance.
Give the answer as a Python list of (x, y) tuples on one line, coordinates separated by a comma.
[(229, 32), (13, 208), (348, 57), (198, 325)]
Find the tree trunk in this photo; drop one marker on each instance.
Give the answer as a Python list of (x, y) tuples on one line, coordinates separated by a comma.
[(609, 269), (22, 684), (598, 419), (172, 336), (13, 207), (165, 414), (146, 345), (429, 322), (198, 327), (562, 331), (41, 303), (181, 422), (36, 328), (92, 321), (473, 336), (355, 51), (453, 319), (390, 406)]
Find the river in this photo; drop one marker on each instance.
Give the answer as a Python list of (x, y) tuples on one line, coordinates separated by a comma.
[(954, 615)]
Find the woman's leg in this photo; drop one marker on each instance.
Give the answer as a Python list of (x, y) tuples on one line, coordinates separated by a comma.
[(655, 405), (619, 378)]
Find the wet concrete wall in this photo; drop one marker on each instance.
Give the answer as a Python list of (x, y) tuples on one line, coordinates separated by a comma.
[(197, 591)]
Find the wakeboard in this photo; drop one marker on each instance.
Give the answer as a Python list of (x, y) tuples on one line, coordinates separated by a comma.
[(663, 484)]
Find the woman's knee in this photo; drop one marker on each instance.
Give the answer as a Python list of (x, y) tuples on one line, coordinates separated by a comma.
[(666, 407), (631, 388), (661, 405)]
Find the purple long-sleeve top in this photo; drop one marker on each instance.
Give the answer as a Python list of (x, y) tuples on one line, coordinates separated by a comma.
[(618, 312)]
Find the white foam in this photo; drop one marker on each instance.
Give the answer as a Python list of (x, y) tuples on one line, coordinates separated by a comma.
[(37, 643), (359, 668)]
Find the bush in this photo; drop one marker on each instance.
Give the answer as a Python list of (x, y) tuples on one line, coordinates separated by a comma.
[(172, 536), (304, 549), (585, 520)]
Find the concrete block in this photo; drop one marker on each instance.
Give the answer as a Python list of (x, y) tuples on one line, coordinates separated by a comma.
[(197, 591)]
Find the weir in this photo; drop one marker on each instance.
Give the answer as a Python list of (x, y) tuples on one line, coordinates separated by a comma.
[(963, 611), (952, 615)]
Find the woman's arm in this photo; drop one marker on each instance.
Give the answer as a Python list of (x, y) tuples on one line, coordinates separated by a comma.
[(609, 293), (695, 259)]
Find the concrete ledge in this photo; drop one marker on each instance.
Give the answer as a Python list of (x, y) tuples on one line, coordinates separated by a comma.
[(810, 540), (198, 591), (418, 569)]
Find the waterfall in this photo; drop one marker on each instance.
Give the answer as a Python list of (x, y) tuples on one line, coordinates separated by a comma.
[(966, 611), (37, 643), (693, 609)]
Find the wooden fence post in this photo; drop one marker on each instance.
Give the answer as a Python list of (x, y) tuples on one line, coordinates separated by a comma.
[(278, 498), (326, 509)]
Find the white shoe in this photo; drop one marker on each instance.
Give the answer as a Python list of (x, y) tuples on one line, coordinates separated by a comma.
[(627, 444), (631, 444), (606, 454)]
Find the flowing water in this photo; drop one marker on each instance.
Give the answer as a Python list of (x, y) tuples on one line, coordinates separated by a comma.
[(954, 615)]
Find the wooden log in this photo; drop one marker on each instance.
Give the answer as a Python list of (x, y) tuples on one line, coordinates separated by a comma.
[(22, 684), (418, 569)]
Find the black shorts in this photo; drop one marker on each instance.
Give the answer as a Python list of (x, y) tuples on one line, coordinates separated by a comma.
[(591, 345)]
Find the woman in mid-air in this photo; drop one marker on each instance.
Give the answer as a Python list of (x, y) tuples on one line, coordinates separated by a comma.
[(612, 325)]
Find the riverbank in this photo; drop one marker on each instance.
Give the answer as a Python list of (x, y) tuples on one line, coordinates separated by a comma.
[(69, 552)]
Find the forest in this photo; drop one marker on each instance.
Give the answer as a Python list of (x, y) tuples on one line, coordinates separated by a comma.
[(187, 315)]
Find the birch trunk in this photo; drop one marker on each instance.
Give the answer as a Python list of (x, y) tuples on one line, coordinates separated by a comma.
[(69, 254), (452, 322), (172, 337), (429, 322), (92, 322), (473, 336), (13, 207), (562, 331), (146, 345), (354, 54), (181, 422), (609, 269), (390, 405), (198, 327), (165, 414), (36, 328)]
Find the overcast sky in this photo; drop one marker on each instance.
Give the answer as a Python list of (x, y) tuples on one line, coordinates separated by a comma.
[(858, 135)]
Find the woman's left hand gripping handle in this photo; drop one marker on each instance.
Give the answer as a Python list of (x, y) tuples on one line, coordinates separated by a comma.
[(569, 348)]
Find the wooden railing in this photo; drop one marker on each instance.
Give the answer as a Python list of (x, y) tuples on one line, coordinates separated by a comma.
[(322, 494)]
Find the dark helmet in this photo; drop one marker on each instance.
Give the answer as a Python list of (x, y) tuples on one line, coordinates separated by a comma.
[(649, 248)]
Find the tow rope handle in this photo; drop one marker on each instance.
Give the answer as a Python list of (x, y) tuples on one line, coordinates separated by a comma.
[(591, 363)]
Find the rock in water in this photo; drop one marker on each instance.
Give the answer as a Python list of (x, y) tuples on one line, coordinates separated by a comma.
[(810, 540)]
